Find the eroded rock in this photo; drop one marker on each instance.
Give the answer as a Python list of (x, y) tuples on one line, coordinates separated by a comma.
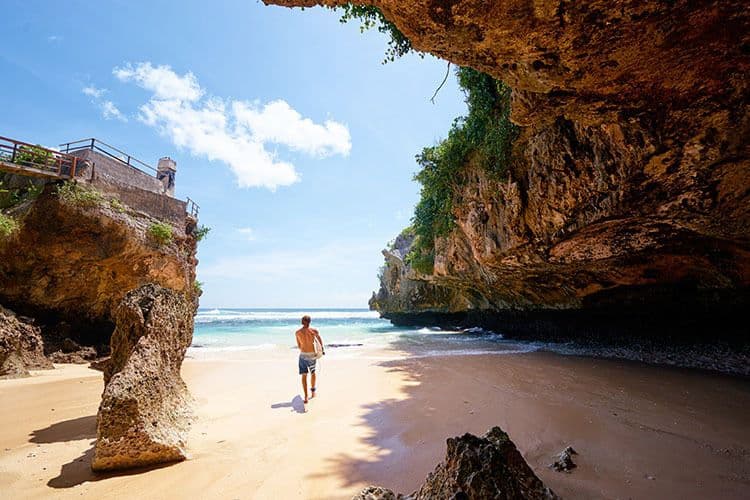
[(21, 347), (476, 468), (628, 196), (564, 461), (145, 411), (376, 493)]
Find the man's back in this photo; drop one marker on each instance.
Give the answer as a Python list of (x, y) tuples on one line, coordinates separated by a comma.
[(305, 339)]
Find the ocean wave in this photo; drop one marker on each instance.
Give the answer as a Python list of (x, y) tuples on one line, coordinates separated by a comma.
[(438, 331), (233, 348), (472, 352), (225, 315)]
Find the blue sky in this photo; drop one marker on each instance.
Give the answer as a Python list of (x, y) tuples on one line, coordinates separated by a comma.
[(293, 138)]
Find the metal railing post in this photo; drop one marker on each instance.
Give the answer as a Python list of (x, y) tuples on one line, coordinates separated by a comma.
[(92, 144), (13, 156)]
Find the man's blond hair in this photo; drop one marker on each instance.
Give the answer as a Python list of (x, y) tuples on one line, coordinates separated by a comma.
[(306, 320)]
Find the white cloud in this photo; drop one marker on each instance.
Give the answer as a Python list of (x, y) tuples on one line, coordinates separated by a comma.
[(234, 132), (94, 92), (110, 111), (247, 233), (54, 38), (108, 108), (277, 122), (162, 81)]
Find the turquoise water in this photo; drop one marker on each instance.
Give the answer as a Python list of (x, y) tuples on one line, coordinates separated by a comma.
[(358, 332), (351, 330)]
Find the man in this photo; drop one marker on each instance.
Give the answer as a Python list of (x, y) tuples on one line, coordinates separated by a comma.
[(306, 337)]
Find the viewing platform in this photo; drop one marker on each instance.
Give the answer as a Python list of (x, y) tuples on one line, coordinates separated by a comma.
[(109, 169)]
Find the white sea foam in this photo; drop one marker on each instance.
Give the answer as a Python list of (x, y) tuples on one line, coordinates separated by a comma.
[(215, 315)]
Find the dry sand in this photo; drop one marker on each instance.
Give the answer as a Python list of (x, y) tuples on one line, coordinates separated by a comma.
[(641, 432)]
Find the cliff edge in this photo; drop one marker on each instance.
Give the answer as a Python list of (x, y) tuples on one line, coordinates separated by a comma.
[(626, 202)]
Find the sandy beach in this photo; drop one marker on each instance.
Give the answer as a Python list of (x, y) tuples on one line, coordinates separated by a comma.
[(382, 418)]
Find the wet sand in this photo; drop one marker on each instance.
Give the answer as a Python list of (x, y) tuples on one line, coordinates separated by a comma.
[(641, 431)]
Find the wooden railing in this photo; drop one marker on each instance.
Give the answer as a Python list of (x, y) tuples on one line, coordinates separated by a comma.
[(110, 151), (28, 159)]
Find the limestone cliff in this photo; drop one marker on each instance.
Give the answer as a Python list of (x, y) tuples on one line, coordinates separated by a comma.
[(629, 190), (79, 262), (75, 257)]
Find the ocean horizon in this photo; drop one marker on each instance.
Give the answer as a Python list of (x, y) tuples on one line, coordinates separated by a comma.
[(354, 331), (351, 332)]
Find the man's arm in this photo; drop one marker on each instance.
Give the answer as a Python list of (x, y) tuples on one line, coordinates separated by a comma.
[(299, 344)]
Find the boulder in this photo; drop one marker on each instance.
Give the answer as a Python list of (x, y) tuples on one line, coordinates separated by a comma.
[(21, 347), (145, 411), (483, 467), (376, 493), (564, 461), (487, 467)]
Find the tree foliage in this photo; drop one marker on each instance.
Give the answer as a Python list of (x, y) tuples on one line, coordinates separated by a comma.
[(372, 17), (484, 135)]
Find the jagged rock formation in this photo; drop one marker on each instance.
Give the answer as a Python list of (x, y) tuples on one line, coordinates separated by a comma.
[(80, 263), (144, 415), (476, 468), (21, 347), (71, 264), (403, 289), (629, 194)]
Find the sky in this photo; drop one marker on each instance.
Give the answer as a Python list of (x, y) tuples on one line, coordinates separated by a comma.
[(294, 139)]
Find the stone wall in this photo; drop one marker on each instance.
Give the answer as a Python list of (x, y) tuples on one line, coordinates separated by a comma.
[(111, 170), (156, 205), (133, 187)]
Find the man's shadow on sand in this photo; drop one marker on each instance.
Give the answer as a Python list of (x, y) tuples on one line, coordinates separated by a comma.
[(296, 404)]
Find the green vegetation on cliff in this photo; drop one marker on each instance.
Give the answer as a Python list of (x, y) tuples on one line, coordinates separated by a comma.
[(79, 195), (8, 226), (161, 233), (484, 136), (372, 17)]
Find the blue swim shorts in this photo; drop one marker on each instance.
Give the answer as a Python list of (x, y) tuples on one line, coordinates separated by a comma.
[(306, 364)]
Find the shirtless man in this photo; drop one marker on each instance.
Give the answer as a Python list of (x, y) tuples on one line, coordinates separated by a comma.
[(305, 338)]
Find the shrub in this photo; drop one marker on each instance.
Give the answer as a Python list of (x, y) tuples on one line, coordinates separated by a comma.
[(8, 226), (372, 17), (161, 233), (485, 135), (117, 205), (11, 197), (198, 287), (79, 195), (201, 232), (33, 155)]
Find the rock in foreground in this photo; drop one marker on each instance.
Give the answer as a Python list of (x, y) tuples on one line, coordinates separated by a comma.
[(21, 347), (145, 412), (476, 468)]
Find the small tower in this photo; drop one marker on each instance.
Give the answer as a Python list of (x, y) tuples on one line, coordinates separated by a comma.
[(165, 172)]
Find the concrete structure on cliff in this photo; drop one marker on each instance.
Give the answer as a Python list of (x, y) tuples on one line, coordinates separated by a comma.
[(110, 170)]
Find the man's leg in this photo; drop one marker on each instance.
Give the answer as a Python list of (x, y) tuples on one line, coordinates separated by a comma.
[(304, 385), (312, 385)]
